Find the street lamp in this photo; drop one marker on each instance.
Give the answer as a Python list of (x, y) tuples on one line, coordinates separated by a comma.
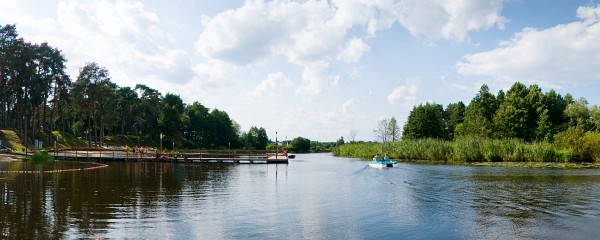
[(25, 114)]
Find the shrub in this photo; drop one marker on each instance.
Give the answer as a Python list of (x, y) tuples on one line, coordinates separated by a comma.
[(591, 146), (41, 156)]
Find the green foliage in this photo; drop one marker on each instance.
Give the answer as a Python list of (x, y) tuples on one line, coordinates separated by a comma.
[(453, 116), (300, 145), (591, 146), (475, 123), (461, 150), (523, 112), (66, 139), (255, 138), (340, 141), (319, 147), (425, 121), (41, 156), (579, 114)]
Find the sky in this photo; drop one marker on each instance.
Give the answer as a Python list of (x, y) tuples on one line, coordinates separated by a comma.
[(323, 69)]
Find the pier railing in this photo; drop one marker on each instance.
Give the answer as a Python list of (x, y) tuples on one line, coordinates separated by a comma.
[(237, 156)]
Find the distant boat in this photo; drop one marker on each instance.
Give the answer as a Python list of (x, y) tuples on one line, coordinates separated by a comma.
[(382, 163), (291, 156)]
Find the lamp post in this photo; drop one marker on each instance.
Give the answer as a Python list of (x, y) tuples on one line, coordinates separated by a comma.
[(25, 114), (185, 135)]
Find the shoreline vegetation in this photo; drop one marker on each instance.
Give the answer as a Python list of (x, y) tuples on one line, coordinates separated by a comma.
[(475, 151), (522, 125)]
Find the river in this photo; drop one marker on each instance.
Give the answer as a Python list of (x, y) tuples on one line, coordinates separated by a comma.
[(315, 196)]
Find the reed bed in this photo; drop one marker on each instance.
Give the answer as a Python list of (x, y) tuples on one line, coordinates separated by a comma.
[(461, 150)]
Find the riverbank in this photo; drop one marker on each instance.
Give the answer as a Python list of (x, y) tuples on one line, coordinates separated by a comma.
[(10, 157), (559, 165), (469, 151)]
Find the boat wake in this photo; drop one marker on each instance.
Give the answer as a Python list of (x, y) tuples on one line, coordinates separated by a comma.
[(359, 171)]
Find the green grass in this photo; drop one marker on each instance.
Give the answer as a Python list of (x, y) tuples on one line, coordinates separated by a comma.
[(67, 140), (11, 140)]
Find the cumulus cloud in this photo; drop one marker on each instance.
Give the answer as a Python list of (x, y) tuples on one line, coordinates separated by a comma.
[(316, 77), (123, 36), (275, 84), (563, 53), (355, 49), (13, 13), (309, 33), (214, 73), (450, 20), (405, 95)]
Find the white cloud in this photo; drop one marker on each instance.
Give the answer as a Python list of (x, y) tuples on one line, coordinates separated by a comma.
[(275, 84), (309, 33), (406, 95), (563, 53), (316, 77), (451, 19), (355, 49), (123, 36), (13, 13), (214, 73), (348, 104)]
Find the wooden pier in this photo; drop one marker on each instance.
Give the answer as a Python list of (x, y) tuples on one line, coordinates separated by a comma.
[(104, 155)]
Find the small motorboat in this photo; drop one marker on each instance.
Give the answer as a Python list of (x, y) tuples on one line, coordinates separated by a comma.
[(379, 162)]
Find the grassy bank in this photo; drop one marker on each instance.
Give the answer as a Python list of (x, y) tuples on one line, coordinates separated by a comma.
[(463, 151), (11, 140)]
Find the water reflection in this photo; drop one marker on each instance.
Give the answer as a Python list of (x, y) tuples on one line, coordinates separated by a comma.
[(316, 196), (87, 203)]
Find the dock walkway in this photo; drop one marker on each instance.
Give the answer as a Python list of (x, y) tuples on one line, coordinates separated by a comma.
[(103, 155)]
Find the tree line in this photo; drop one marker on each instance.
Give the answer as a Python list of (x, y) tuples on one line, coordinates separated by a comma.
[(523, 113), (523, 124), (38, 97)]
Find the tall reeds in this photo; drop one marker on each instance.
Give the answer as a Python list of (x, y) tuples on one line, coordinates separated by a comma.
[(460, 150)]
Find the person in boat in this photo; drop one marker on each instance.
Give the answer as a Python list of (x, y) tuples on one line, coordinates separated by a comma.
[(386, 158), (377, 158)]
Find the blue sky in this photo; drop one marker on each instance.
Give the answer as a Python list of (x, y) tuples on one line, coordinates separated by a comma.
[(322, 69)]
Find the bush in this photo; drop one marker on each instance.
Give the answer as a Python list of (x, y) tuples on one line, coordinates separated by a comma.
[(41, 156), (591, 146)]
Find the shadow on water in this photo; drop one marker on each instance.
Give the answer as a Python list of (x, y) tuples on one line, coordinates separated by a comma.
[(85, 204)]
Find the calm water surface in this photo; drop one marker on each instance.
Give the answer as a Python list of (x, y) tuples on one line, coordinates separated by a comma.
[(315, 196)]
